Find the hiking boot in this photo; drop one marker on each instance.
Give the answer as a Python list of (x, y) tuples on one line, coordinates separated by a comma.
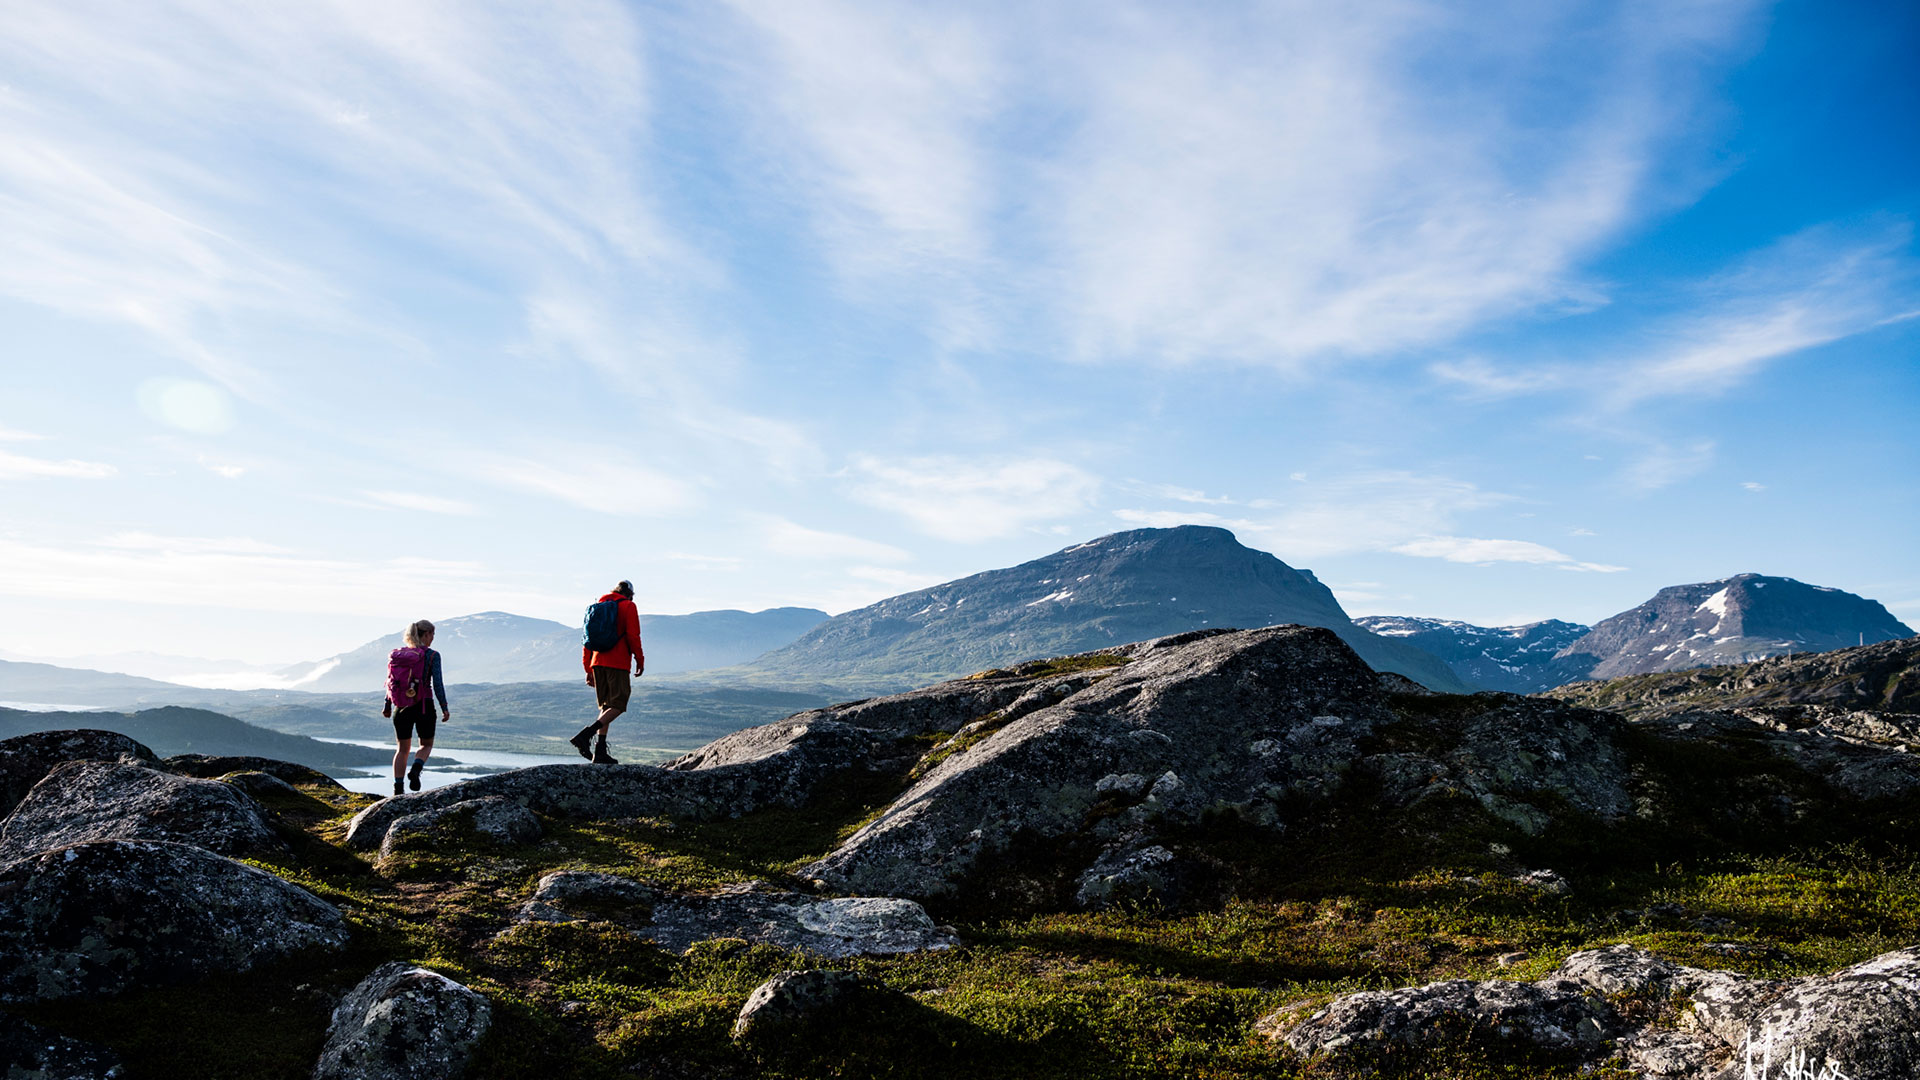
[(396, 785), (601, 757), (413, 774), (582, 741)]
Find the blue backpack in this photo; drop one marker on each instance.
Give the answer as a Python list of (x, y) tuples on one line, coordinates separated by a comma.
[(601, 630)]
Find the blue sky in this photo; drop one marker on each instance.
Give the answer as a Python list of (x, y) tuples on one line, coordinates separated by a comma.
[(320, 318)]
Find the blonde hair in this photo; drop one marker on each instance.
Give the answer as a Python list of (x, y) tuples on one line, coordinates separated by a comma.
[(419, 632)]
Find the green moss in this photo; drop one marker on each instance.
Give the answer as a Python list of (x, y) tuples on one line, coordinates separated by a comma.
[(1059, 665)]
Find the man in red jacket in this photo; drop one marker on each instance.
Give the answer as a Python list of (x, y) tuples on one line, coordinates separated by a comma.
[(607, 674)]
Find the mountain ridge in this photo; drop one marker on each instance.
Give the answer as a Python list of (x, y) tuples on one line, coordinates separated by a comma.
[(1125, 586)]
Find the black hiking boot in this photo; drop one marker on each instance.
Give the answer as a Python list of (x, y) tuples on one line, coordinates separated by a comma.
[(413, 774), (582, 741), (396, 785), (601, 757)]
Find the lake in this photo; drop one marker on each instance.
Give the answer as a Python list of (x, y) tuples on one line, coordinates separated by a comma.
[(379, 781)]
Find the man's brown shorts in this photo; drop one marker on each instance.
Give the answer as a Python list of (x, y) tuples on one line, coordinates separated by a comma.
[(612, 687)]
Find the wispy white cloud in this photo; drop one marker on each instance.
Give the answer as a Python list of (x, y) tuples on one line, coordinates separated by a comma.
[(431, 504), (1392, 511), (967, 500), (8, 434), (883, 109), (1180, 494), (894, 578), (16, 466), (1812, 288), (241, 573), (1753, 485), (1307, 182), (1477, 377), (592, 478), (1818, 286), (1662, 465), (190, 545), (1463, 549), (784, 537)]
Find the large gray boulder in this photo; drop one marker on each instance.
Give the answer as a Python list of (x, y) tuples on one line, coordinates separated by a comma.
[(787, 1005), (403, 1023), (773, 765), (209, 767), (572, 895), (85, 801), (1862, 1023), (99, 918), (834, 928), (24, 759), (1246, 723), (491, 820), (29, 1053)]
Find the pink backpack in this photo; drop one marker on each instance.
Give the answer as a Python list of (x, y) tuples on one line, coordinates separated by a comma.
[(407, 676)]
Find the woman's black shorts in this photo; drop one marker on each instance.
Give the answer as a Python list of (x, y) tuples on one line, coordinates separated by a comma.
[(416, 717)]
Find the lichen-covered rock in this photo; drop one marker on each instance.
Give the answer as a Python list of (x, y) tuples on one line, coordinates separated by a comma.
[(1247, 723), (85, 801), (568, 895), (832, 928), (791, 1001), (1859, 769), (260, 783), (490, 819), (1132, 875), (403, 1023), (24, 759), (773, 765), (210, 767), (100, 918), (1862, 1023), (29, 1053)]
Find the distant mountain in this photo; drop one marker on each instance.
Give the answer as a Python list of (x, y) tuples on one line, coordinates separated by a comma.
[(29, 683), (1120, 588), (1517, 659), (173, 730), (1731, 621), (497, 647)]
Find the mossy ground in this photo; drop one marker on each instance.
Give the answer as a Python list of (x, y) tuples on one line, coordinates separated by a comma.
[(1351, 903)]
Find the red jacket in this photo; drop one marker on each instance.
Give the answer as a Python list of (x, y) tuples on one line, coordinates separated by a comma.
[(627, 649)]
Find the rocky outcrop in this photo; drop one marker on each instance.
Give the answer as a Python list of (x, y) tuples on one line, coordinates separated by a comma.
[(1255, 724), (833, 928), (207, 767), (780, 764), (100, 918), (792, 1001), (1855, 767), (404, 1023), (28, 1053), (490, 820), (1660, 1018), (1883, 678), (570, 895), (84, 801), (24, 759)]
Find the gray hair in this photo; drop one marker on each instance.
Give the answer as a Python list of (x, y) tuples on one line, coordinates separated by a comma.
[(419, 632)]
